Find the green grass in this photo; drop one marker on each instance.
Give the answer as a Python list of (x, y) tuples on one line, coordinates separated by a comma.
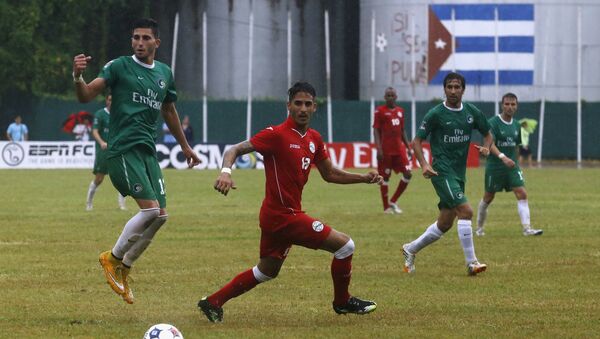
[(52, 285)]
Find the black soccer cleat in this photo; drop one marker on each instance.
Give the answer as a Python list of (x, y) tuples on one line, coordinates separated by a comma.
[(213, 313), (356, 306)]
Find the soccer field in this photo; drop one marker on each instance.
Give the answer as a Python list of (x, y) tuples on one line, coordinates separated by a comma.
[(52, 285)]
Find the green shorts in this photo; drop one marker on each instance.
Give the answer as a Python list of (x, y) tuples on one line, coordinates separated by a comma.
[(100, 162), (136, 173), (504, 180), (451, 191)]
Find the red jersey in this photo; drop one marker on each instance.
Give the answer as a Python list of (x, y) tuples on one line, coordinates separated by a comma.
[(288, 156), (390, 122)]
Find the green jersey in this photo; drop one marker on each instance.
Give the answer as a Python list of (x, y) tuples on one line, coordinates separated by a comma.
[(101, 121), (507, 136), (138, 92), (449, 132)]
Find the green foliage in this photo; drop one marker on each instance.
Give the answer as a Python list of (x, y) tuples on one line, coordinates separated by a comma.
[(41, 37), (543, 287)]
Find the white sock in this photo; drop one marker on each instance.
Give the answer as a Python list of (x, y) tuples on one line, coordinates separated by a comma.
[(523, 208), (121, 200), (91, 192), (133, 230), (465, 235), (431, 234), (140, 246), (482, 213)]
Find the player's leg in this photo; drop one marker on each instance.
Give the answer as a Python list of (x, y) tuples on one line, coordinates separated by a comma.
[(98, 178), (400, 164), (383, 167), (121, 202), (485, 202), (464, 213), (523, 209), (273, 251), (129, 175), (342, 247)]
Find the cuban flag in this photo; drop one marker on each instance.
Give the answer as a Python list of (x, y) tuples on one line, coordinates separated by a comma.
[(474, 29)]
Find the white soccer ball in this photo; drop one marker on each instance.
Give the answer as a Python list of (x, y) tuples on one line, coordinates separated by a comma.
[(163, 331)]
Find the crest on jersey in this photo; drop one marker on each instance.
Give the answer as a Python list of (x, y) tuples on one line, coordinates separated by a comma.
[(161, 83), (137, 188), (470, 119), (317, 226), (311, 147), (399, 114)]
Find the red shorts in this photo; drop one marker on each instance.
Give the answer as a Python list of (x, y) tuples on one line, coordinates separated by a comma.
[(397, 163), (280, 231)]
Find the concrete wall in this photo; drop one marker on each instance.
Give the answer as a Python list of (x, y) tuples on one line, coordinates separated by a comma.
[(555, 22)]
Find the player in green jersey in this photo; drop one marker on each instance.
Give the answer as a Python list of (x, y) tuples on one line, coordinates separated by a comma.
[(502, 171), (100, 133), (141, 88), (449, 126)]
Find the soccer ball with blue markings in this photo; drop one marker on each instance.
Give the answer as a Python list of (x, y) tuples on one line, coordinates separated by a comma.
[(163, 331)]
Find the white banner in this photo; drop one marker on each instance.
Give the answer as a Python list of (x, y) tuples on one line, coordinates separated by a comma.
[(47, 154)]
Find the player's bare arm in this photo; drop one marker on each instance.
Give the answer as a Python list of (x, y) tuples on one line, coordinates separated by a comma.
[(224, 182), (169, 113), (508, 162), (488, 142), (335, 175), (85, 92), (427, 170), (99, 139)]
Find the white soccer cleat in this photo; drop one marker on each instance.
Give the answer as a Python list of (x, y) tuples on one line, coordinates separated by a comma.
[(479, 232), (409, 260), (395, 207), (89, 206), (476, 267), (532, 231), (389, 210)]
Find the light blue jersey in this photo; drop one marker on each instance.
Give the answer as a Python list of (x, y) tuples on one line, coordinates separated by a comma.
[(17, 132)]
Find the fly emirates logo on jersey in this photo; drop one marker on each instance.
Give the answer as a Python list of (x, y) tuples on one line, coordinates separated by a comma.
[(458, 137), (149, 100)]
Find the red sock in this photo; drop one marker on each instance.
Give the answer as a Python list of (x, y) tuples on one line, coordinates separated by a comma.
[(341, 271), (384, 195), (242, 283), (401, 187)]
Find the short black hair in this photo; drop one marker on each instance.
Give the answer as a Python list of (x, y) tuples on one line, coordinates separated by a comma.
[(147, 23), (509, 95), (457, 76), (301, 86)]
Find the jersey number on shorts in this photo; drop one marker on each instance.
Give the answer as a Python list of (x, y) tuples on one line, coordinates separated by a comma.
[(520, 175), (305, 163)]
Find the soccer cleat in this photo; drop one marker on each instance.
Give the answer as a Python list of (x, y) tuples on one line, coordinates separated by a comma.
[(389, 210), (89, 206), (395, 207), (532, 231), (356, 306), (112, 271), (476, 267), (213, 313), (409, 260), (479, 232), (127, 293), (123, 207)]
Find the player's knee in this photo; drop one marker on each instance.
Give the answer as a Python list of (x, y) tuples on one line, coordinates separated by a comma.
[(407, 175), (464, 212), (345, 251), (262, 277)]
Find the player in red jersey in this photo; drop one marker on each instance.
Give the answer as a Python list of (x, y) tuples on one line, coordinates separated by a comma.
[(392, 144), (289, 150)]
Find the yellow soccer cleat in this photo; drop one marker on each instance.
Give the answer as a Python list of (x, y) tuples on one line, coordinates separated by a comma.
[(127, 293), (112, 267)]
